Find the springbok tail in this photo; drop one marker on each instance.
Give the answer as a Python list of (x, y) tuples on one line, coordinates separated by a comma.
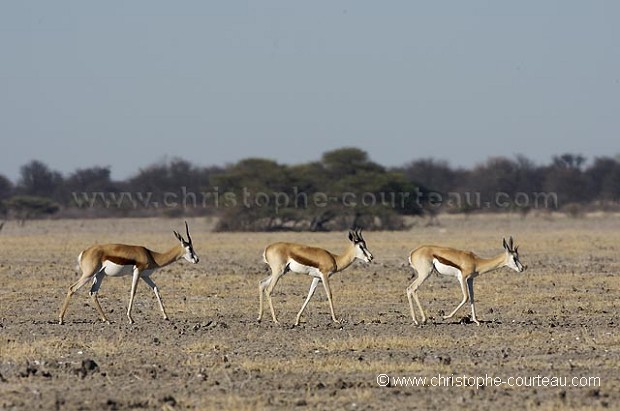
[(79, 261)]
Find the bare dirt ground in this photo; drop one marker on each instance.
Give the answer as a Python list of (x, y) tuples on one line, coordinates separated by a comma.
[(559, 319)]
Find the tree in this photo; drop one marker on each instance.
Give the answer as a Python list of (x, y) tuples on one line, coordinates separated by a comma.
[(566, 178), (36, 179), (431, 175), (254, 174), (498, 174), (6, 189), (604, 179), (90, 180), (348, 161), (343, 190), (171, 176), (26, 207), (528, 176), (255, 183), (178, 185), (569, 161)]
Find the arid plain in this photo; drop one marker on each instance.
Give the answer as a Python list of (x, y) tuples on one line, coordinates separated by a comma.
[(558, 319)]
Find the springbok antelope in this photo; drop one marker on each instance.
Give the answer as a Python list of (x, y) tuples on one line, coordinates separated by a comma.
[(118, 260), (320, 264), (465, 266)]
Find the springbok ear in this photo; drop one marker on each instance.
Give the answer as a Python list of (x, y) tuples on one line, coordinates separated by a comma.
[(351, 236), (504, 244), (510, 243), (517, 249)]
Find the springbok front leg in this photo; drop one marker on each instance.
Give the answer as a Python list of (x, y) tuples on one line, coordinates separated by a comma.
[(153, 287), (465, 298), (315, 282), (328, 291), (470, 289), (134, 284)]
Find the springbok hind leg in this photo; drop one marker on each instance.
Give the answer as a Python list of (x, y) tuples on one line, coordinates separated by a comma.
[(94, 292), (412, 291), (85, 278), (266, 286), (262, 285)]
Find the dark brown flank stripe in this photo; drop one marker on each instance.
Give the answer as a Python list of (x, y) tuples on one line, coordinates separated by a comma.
[(446, 262), (304, 261), (119, 260)]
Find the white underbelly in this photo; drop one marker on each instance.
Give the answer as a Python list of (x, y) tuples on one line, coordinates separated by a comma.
[(445, 269), (116, 270), (303, 269)]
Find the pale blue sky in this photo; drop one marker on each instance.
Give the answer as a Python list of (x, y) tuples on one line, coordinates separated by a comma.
[(129, 83)]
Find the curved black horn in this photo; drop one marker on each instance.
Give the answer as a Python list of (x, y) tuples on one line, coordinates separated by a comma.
[(189, 239)]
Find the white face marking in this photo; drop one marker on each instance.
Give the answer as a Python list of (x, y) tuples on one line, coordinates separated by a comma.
[(116, 270), (515, 264), (303, 269), (362, 253), (445, 269), (190, 255)]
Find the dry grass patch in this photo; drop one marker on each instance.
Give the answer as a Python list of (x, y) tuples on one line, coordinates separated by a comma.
[(50, 347), (57, 347), (366, 342), (203, 347), (325, 363), (112, 346)]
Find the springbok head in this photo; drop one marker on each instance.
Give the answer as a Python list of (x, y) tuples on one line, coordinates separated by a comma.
[(361, 250), (189, 255), (512, 255)]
